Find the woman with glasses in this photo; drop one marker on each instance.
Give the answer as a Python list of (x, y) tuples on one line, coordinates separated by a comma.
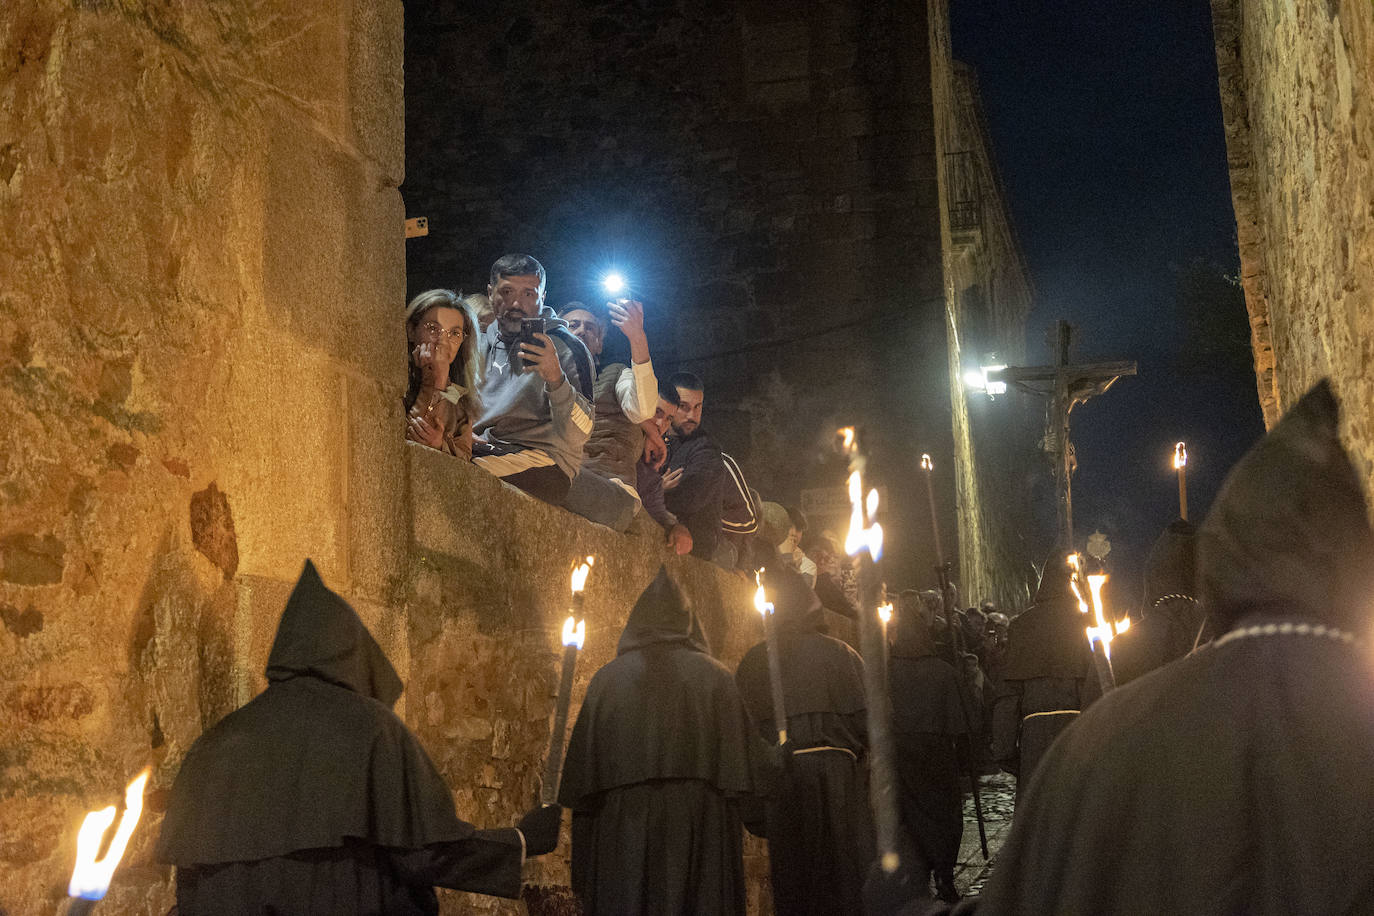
[(441, 394)]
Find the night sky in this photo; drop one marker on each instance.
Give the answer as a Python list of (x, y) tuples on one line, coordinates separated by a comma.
[(1106, 123)]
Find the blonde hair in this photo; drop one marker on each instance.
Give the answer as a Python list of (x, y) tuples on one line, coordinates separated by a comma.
[(465, 371)]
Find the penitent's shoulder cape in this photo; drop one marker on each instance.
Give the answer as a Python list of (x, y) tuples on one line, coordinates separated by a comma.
[(662, 709), (315, 760)]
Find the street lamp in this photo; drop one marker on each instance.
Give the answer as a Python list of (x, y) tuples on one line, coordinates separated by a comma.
[(979, 380)]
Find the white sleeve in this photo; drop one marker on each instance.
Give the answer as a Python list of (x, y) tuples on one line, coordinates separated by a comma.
[(637, 391)]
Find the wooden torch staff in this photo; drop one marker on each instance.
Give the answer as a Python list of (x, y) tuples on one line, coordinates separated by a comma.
[(865, 543)]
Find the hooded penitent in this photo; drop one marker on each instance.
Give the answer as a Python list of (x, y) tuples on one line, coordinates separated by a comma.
[(1048, 675), (316, 759), (1235, 780), (820, 834), (1167, 624), (658, 754), (315, 798)]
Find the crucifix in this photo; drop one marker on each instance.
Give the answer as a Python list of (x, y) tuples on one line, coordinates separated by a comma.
[(1065, 386)]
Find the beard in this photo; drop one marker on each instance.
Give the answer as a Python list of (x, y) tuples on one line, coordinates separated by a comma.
[(508, 322)]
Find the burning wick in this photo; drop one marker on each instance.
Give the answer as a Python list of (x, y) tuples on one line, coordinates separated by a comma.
[(91, 876), (770, 632), (574, 635), (885, 613)]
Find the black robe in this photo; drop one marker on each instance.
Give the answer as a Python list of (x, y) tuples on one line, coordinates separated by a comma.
[(1048, 677), (315, 797), (1167, 625), (658, 756), (818, 822), (930, 724), (1235, 780)]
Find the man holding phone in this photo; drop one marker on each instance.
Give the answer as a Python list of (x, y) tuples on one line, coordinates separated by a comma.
[(536, 386)]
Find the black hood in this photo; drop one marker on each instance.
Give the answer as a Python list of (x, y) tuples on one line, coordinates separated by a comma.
[(1288, 534), (1054, 579), (795, 603), (1170, 569), (321, 636), (661, 615)]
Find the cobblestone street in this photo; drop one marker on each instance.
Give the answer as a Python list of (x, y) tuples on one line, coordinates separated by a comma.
[(999, 800)]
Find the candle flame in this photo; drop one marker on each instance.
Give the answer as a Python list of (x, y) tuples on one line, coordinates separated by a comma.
[(885, 612), (1105, 629), (1180, 456), (1073, 583), (579, 575), (761, 602), (91, 876), (574, 634), (862, 536), (927, 464)]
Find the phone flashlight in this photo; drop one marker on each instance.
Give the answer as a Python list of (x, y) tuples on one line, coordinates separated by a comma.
[(613, 283)]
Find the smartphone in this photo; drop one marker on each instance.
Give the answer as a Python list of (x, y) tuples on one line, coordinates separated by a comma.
[(528, 328)]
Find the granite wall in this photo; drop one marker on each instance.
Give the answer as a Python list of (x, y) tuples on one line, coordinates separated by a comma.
[(1296, 96)]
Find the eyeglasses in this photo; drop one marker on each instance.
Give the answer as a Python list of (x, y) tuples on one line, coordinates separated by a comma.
[(435, 332)]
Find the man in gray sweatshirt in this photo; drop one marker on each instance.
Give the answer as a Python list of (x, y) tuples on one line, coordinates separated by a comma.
[(536, 393)]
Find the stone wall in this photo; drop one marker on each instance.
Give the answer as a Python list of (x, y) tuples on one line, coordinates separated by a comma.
[(988, 296), (1296, 96), (200, 371)]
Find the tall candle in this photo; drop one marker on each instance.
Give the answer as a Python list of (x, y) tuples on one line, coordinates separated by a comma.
[(574, 634)]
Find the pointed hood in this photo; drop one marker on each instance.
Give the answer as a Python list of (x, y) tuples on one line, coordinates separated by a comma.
[(1054, 579), (321, 636), (661, 615), (1288, 533), (794, 602), (1170, 569)]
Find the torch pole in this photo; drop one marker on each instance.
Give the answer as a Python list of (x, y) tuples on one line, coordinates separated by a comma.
[(1183, 492), (947, 600), (883, 775), (79, 906), (1103, 662), (553, 763), (770, 628)]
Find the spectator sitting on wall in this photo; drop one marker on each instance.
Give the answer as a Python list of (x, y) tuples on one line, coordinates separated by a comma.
[(623, 398), (481, 308), (441, 391), (649, 477), (695, 481), (790, 548), (536, 394), (739, 518), (820, 550)]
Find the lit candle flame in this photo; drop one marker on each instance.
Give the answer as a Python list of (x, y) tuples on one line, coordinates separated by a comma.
[(579, 575), (1073, 583), (846, 435), (862, 536), (761, 602), (91, 876), (885, 613), (1180, 456), (927, 464), (574, 635)]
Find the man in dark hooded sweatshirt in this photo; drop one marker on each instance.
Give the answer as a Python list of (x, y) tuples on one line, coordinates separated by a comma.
[(1235, 780), (1048, 675), (316, 799), (931, 730), (658, 757), (1167, 625), (818, 824)]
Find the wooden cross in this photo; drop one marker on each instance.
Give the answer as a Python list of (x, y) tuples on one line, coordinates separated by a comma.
[(1066, 386)]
